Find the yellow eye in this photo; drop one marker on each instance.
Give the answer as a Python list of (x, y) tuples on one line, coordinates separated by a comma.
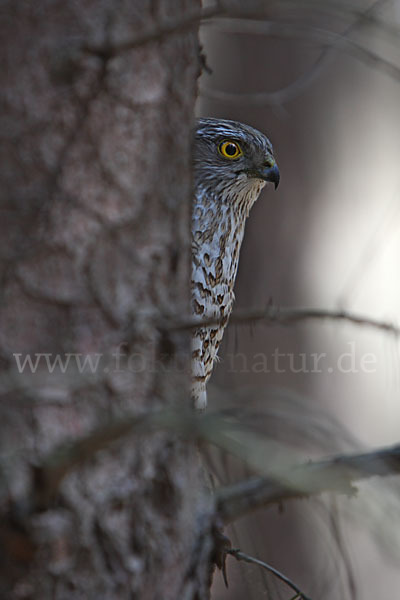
[(230, 149)]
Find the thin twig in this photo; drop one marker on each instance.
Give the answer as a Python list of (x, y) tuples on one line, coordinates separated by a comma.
[(273, 315), (336, 474), (287, 93), (278, 97), (323, 37), (239, 555), (291, 91), (345, 9)]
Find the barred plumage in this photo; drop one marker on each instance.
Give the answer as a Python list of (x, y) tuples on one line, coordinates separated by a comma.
[(232, 163)]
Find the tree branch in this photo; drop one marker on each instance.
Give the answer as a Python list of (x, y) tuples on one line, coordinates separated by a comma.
[(256, 24), (336, 474), (241, 556), (273, 315), (323, 37)]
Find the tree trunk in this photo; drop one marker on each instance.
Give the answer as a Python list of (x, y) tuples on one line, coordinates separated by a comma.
[(95, 206)]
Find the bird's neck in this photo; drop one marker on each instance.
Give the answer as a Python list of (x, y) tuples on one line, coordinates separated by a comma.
[(218, 227), (214, 212)]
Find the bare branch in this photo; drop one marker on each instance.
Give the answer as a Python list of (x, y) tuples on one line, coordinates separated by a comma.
[(278, 97), (273, 315), (336, 474), (255, 24), (369, 16), (241, 556), (323, 37)]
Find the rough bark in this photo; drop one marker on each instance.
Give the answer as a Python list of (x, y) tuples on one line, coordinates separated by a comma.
[(94, 243)]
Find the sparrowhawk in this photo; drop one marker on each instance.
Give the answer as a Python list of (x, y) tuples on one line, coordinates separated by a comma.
[(232, 163)]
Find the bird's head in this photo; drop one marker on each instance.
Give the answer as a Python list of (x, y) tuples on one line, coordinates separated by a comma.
[(232, 159)]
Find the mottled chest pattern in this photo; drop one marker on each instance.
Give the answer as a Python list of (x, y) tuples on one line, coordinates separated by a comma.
[(217, 234)]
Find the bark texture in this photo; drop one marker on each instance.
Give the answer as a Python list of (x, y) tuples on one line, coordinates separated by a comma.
[(94, 247)]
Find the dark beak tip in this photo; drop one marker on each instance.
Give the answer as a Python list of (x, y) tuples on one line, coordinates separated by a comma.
[(273, 175), (268, 173)]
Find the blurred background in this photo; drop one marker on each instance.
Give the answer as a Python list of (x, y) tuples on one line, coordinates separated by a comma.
[(322, 80)]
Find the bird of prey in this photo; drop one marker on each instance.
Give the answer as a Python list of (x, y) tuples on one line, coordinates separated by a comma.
[(232, 163)]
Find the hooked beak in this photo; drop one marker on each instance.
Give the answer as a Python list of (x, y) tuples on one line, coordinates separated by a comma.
[(269, 173)]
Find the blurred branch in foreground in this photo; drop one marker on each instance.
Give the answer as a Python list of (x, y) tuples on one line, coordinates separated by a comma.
[(336, 474), (298, 481)]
